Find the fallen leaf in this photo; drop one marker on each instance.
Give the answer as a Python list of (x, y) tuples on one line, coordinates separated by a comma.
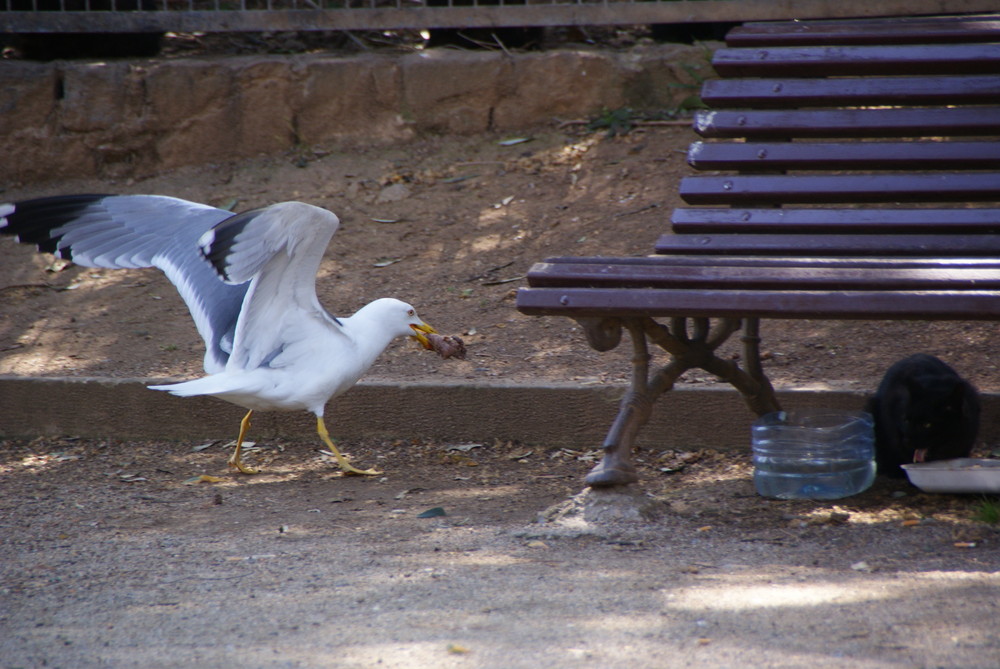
[(204, 478), (513, 141), (456, 649), (455, 180), (436, 512), (386, 262), (465, 448), (497, 282), (202, 447), (537, 544), (58, 265), (458, 459)]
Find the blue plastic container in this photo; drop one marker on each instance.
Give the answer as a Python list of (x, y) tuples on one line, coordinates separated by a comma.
[(813, 454)]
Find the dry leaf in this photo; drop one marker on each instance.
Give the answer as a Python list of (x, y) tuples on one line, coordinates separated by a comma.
[(204, 478)]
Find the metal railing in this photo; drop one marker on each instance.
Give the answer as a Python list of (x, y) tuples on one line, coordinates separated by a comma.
[(92, 16)]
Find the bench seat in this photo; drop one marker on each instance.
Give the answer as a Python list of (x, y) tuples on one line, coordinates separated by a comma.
[(848, 169)]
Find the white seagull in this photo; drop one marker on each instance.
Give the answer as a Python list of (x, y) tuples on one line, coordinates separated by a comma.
[(249, 281)]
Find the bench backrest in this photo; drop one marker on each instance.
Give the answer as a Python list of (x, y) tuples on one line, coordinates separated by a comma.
[(859, 137)]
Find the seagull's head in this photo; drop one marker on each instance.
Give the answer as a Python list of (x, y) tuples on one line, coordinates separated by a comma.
[(402, 318)]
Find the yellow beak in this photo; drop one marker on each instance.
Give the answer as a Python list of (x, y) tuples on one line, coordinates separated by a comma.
[(418, 333)]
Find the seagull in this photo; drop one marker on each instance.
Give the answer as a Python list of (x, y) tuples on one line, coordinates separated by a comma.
[(249, 281)]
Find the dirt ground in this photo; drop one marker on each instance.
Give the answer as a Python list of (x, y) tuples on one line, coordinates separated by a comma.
[(116, 554)]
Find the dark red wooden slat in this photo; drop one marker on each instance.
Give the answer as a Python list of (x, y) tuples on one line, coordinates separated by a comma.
[(864, 305), (667, 275), (844, 155), (925, 122), (831, 61), (815, 262), (852, 92), (832, 245), (856, 221), (912, 30), (747, 190)]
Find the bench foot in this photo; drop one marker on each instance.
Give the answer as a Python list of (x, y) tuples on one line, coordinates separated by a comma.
[(613, 470)]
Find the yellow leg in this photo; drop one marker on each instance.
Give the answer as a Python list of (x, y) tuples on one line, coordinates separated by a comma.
[(234, 460), (345, 466)]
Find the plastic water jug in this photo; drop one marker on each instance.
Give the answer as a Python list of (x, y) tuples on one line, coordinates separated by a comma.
[(813, 454)]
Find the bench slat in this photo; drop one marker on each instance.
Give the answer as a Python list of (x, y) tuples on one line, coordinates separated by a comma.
[(659, 272), (862, 305), (814, 262), (849, 123), (831, 245), (852, 92), (760, 189), (827, 61), (856, 221), (844, 155), (910, 30)]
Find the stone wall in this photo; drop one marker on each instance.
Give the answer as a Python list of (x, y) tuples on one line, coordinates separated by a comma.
[(119, 119)]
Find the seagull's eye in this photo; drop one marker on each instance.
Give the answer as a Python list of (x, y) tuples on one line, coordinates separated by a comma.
[(411, 312)]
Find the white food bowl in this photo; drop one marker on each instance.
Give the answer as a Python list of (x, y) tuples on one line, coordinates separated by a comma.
[(959, 475)]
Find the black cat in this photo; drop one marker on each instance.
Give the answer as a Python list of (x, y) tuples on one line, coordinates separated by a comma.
[(923, 411)]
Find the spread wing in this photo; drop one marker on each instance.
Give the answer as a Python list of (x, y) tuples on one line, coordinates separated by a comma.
[(129, 231), (277, 249)]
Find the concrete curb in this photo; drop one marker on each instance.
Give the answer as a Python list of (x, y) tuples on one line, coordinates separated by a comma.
[(554, 415)]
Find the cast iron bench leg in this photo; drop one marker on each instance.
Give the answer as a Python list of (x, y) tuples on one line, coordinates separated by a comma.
[(697, 351)]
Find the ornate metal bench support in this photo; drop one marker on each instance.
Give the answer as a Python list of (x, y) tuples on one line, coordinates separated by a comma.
[(687, 351)]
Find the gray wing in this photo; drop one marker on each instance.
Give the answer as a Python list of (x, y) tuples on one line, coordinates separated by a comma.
[(129, 231)]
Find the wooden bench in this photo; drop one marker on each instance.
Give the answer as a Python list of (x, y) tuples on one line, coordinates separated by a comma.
[(851, 171)]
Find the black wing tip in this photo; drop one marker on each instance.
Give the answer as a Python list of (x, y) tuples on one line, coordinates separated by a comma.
[(216, 250), (32, 221)]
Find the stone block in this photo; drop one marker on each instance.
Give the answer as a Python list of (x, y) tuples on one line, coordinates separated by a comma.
[(349, 98), (663, 78), (454, 91), (29, 93), (559, 84), (98, 96), (263, 111)]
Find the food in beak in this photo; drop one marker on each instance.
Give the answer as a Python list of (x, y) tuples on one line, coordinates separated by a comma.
[(420, 333), (448, 346)]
